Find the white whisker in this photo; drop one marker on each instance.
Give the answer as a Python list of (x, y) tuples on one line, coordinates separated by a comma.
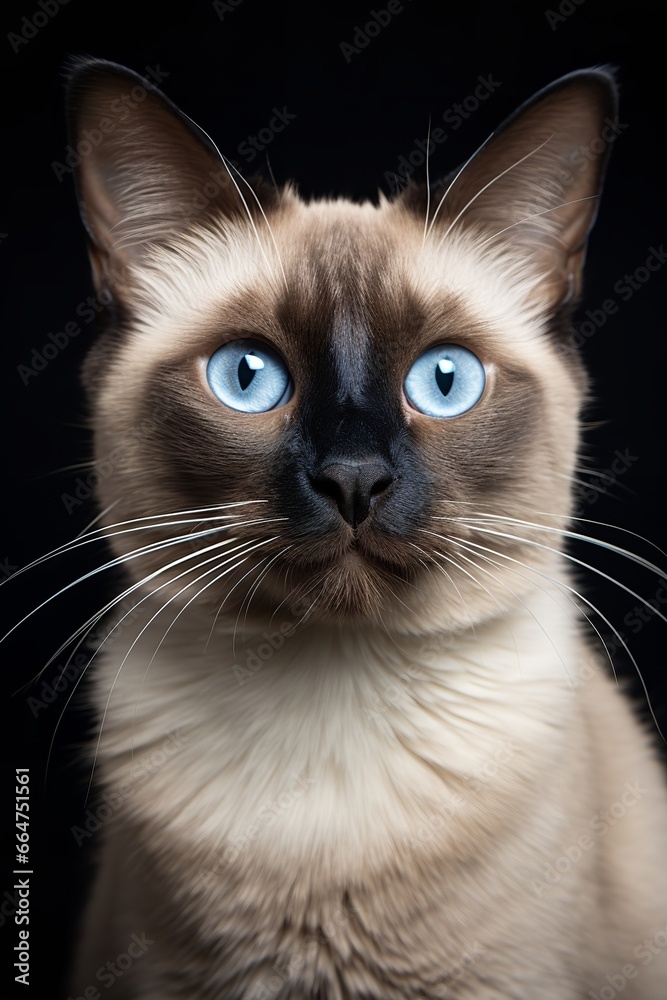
[(428, 183), (249, 596), (103, 513), (561, 583), (157, 521), (135, 554), (536, 215), (580, 562), (244, 554), (227, 164), (489, 183), (520, 601), (579, 609), (136, 586)]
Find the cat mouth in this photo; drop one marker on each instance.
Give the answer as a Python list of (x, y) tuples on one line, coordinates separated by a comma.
[(358, 578)]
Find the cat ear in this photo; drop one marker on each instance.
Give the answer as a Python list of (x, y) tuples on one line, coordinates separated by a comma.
[(145, 172), (533, 187)]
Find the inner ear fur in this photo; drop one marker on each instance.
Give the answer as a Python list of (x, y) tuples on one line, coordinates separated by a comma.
[(146, 174), (533, 187)]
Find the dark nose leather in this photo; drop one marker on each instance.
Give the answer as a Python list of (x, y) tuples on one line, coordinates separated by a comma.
[(354, 485)]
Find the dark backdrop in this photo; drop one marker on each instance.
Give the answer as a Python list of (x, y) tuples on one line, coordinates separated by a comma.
[(360, 100)]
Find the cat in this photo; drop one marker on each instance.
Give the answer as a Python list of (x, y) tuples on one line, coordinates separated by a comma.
[(356, 735)]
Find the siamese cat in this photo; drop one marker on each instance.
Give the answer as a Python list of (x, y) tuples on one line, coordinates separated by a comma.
[(357, 734)]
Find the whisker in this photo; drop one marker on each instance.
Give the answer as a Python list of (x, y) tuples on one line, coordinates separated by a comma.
[(454, 180), (99, 534), (561, 586), (102, 514), (591, 486), (135, 554), (536, 215), (489, 183), (142, 583), (249, 596), (227, 164), (453, 583), (428, 182), (99, 615), (530, 612), (236, 623), (564, 531), (580, 562), (268, 226), (560, 583), (244, 555), (291, 595)]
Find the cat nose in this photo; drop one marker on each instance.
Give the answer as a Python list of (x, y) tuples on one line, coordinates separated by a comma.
[(354, 485)]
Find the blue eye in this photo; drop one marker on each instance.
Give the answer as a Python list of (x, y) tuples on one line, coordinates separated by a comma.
[(249, 375), (445, 381)]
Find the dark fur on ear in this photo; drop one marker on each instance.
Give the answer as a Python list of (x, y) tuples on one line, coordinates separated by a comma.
[(534, 184), (150, 173)]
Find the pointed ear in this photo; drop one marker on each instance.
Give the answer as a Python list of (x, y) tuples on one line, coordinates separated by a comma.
[(145, 173), (532, 189)]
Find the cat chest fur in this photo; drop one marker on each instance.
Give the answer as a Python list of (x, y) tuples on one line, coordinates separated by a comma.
[(352, 803)]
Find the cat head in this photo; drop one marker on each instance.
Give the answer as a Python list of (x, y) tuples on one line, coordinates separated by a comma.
[(316, 399)]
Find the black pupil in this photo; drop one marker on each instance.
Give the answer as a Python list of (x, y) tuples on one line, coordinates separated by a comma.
[(246, 373), (444, 380)]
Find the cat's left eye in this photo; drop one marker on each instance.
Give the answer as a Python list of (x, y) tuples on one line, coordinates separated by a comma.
[(250, 376), (445, 381)]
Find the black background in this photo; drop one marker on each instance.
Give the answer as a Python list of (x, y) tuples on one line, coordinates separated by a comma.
[(354, 118)]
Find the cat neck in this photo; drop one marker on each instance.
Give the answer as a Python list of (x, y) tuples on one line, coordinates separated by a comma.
[(321, 723), (272, 681)]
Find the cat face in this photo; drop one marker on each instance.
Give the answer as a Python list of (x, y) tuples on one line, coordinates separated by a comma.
[(359, 381)]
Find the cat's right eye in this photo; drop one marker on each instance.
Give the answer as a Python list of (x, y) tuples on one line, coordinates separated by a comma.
[(250, 376)]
